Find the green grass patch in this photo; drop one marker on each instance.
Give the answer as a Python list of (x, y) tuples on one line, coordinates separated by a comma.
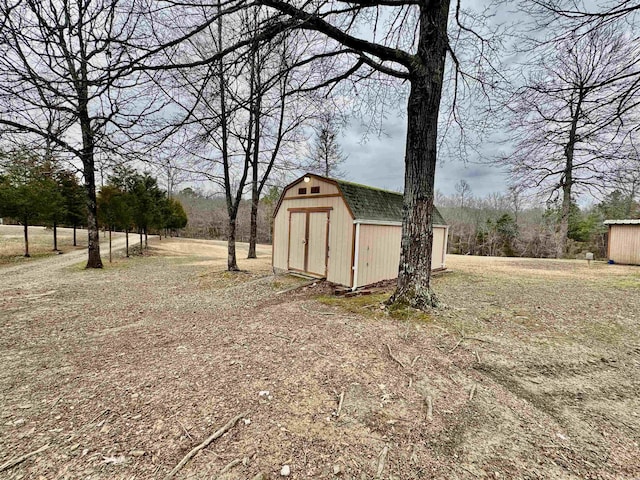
[(629, 282), (373, 306), (20, 259), (607, 332)]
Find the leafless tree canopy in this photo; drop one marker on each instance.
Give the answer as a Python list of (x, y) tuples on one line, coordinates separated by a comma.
[(574, 120)]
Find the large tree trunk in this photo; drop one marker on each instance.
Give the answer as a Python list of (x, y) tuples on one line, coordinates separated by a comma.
[(232, 263), (413, 287), (26, 238), (75, 243), (110, 250), (565, 213), (94, 260), (567, 179), (55, 236), (126, 236), (253, 235)]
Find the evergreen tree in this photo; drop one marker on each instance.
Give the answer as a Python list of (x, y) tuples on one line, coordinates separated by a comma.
[(24, 192), (326, 154)]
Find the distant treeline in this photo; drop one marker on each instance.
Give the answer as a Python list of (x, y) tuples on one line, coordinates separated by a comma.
[(208, 218), (502, 225)]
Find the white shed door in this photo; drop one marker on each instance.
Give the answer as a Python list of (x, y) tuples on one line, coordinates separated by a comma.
[(317, 243), (297, 240), (308, 241)]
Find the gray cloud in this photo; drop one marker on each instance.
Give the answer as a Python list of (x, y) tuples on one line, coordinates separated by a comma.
[(379, 161)]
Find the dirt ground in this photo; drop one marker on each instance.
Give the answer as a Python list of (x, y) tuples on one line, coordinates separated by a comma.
[(530, 369)]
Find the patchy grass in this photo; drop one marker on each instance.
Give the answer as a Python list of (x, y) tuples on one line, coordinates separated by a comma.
[(373, 306), (630, 283), (12, 259)]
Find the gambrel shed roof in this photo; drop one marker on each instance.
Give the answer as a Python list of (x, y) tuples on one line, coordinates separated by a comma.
[(364, 202), (368, 203)]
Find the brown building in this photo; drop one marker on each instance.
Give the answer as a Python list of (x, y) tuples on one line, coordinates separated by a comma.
[(347, 233), (623, 245)]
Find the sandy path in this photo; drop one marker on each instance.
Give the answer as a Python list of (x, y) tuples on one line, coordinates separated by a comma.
[(41, 270)]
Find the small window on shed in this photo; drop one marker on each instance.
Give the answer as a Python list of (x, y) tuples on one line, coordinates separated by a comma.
[(315, 189), (302, 191)]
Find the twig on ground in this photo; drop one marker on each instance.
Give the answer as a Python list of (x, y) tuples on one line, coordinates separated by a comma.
[(429, 408), (414, 361), (53, 405), (340, 404), (19, 460), (394, 358), (477, 356), (478, 339), (316, 312), (284, 337), (381, 459), (456, 345), (230, 465), (228, 426), (468, 471), (185, 430), (443, 329), (472, 392), (104, 412), (296, 287)]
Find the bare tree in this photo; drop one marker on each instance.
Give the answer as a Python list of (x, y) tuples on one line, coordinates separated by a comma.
[(571, 118), (573, 16), (326, 155), (413, 49), (409, 44), (65, 59), (281, 107), (237, 111), (464, 190)]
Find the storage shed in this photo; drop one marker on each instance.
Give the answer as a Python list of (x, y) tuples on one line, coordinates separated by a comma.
[(347, 233), (623, 245)]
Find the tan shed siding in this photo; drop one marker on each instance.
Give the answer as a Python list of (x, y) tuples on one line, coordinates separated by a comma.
[(437, 249), (624, 244), (340, 235), (280, 239), (379, 254), (340, 244), (325, 188)]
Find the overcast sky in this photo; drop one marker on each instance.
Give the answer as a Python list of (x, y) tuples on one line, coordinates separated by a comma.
[(379, 162)]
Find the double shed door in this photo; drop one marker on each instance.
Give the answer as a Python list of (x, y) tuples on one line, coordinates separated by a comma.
[(309, 240)]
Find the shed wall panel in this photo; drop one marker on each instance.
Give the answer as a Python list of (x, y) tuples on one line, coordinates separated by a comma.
[(624, 244), (379, 254), (438, 247), (297, 224)]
